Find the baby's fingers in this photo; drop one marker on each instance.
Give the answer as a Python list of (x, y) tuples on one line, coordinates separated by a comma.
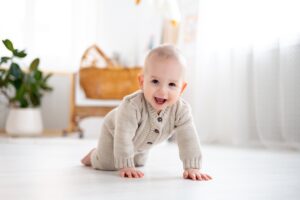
[(128, 175), (122, 174), (206, 177), (185, 174), (192, 176), (135, 174), (131, 174), (140, 174), (199, 177), (125, 174)]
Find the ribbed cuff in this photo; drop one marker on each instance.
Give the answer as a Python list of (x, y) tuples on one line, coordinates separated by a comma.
[(124, 162), (194, 163)]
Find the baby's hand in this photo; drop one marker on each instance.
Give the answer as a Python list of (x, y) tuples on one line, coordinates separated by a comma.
[(131, 173), (195, 174)]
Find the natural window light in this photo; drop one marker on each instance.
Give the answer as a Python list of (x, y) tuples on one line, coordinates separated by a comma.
[(59, 31), (234, 23)]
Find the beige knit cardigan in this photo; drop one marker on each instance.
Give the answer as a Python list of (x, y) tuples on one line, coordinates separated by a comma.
[(136, 127)]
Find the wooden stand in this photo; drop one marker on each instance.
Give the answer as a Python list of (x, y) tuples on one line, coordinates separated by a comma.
[(77, 113)]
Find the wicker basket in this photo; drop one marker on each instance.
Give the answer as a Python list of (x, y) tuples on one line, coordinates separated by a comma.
[(111, 81)]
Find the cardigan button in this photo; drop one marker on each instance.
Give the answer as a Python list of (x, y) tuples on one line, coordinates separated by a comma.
[(149, 143), (159, 119), (156, 130)]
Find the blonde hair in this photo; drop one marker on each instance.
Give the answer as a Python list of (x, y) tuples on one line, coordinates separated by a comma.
[(165, 52)]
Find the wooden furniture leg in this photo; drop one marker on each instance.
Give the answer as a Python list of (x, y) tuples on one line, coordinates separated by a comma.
[(77, 113)]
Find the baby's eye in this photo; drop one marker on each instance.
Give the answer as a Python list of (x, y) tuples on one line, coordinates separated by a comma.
[(154, 81), (172, 84)]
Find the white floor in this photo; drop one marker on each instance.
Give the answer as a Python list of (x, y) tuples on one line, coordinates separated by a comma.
[(41, 169)]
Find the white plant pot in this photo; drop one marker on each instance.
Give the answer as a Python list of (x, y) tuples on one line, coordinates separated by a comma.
[(24, 122)]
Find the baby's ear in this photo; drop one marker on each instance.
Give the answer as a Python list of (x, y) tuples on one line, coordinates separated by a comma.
[(184, 84), (141, 80)]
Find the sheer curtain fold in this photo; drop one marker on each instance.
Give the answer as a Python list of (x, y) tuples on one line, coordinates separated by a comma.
[(276, 95), (249, 96), (247, 79), (290, 93)]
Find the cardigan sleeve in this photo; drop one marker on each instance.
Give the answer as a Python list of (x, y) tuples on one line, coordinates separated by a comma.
[(126, 125), (187, 138)]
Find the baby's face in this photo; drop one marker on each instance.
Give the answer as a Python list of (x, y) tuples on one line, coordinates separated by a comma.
[(162, 83)]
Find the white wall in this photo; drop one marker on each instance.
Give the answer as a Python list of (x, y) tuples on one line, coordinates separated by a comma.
[(128, 29)]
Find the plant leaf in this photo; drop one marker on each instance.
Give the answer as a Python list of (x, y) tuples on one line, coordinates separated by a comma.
[(4, 59), (3, 83), (24, 103), (20, 93), (34, 64), (46, 87), (19, 54), (17, 83), (38, 75), (15, 71), (44, 84), (35, 99), (25, 88), (47, 77), (8, 44)]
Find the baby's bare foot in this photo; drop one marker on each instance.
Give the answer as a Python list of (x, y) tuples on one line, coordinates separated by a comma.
[(87, 159)]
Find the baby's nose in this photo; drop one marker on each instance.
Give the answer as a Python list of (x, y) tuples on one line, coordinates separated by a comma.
[(162, 92)]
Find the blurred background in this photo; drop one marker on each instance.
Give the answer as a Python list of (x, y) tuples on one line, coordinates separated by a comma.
[(243, 59)]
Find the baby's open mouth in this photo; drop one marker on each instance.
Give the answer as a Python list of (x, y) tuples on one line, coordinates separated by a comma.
[(160, 101)]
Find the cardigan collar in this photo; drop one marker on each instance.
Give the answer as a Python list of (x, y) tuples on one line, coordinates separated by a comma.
[(153, 113)]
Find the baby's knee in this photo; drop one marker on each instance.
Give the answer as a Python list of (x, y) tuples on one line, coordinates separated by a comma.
[(98, 162)]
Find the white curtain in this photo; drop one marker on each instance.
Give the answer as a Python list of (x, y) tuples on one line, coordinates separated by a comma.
[(58, 31), (246, 84), (55, 31)]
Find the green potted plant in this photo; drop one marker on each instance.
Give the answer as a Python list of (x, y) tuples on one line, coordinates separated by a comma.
[(23, 90)]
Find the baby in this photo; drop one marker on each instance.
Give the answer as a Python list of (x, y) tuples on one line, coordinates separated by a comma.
[(148, 117)]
